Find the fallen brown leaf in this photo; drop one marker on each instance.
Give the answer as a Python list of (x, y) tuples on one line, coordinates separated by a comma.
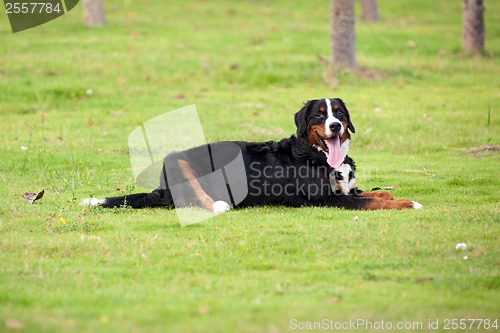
[(32, 197)]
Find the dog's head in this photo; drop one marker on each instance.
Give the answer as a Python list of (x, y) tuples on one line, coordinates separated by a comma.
[(326, 123)]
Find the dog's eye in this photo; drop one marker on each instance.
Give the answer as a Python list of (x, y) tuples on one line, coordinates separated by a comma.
[(319, 115)]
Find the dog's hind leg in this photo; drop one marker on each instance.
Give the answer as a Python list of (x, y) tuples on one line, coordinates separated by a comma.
[(217, 207)]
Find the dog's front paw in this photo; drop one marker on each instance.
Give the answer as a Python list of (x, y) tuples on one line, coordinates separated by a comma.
[(92, 202), (416, 205), (220, 207)]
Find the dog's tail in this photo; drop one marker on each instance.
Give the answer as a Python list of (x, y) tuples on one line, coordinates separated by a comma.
[(159, 197)]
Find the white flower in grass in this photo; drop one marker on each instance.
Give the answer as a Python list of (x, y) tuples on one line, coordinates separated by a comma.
[(461, 246)]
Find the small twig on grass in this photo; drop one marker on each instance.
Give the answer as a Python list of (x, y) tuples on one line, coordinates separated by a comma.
[(90, 124), (27, 150), (392, 187), (324, 59), (42, 121), (477, 150), (489, 115), (421, 171)]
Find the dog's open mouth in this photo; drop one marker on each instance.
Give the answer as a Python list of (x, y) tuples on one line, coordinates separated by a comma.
[(331, 147)]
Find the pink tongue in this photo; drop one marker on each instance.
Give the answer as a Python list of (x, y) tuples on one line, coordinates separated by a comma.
[(334, 155)]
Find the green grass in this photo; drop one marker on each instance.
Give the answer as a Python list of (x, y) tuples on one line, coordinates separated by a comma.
[(248, 66)]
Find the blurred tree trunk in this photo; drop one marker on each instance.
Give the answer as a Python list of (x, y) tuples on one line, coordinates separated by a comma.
[(369, 10), (473, 26), (93, 13), (342, 34)]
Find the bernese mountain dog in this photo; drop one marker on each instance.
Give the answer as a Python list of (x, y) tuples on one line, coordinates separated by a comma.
[(311, 168)]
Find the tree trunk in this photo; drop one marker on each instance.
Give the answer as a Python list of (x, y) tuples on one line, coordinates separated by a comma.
[(93, 13), (473, 26), (342, 34), (369, 10)]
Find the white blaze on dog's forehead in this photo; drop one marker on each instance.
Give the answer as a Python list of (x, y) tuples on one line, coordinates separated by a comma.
[(330, 119), (328, 108)]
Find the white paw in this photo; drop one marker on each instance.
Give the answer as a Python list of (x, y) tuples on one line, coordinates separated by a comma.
[(92, 202), (220, 207), (416, 205)]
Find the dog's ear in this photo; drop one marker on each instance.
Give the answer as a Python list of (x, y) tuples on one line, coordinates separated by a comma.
[(301, 119), (350, 124)]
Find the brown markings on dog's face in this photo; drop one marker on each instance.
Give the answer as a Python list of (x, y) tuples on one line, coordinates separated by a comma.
[(316, 123), (313, 132)]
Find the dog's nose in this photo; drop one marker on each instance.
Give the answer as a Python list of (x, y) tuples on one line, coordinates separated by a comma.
[(335, 127)]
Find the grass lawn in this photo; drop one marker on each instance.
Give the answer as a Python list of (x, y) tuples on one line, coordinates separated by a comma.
[(70, 96)]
